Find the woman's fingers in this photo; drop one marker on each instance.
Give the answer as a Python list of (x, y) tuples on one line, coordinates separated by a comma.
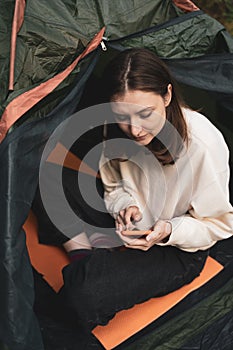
[(120, 220), (126, 216), (134, 242), (132, 214), (137, 216), (161, 231)]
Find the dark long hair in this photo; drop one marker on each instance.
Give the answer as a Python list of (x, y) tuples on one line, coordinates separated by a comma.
[(140, 69)]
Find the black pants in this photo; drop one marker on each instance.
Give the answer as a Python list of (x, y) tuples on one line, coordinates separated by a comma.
[(105, 282)]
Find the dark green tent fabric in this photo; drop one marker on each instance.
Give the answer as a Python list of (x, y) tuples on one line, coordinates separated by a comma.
[(54, 32), (52, 35), (20, 155)]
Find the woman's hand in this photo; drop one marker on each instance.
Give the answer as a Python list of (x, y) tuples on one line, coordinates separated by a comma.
[(126, 217), (160, 234)]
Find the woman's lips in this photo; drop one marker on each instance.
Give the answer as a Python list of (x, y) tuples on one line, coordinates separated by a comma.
[(140, 138)]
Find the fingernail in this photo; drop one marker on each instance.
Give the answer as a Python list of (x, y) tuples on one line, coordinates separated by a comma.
[(151, 236)]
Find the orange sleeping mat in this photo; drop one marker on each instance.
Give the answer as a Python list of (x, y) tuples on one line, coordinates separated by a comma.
[(126, 322), (42, 255)]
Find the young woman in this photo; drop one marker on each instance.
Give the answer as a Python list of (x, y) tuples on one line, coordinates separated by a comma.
[(177, 183), (173, 181)]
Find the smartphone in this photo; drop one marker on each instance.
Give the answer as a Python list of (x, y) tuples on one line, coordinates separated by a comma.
[(136, 232)]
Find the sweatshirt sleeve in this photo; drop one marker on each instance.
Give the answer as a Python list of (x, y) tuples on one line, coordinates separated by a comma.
[(116, 196), (210, 214), (209, 219)]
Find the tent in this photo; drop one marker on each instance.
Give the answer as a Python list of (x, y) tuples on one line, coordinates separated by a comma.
[(52, 55)]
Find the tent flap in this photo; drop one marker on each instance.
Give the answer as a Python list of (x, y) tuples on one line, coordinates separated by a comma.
[(20, 155), (193, 35)]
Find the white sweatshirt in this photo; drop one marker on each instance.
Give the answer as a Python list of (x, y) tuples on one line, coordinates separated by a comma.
[(193, 194)]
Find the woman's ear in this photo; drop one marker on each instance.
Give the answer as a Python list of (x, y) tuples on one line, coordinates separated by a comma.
[(168, 96)]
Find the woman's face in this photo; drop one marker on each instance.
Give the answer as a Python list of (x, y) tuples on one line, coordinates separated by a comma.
[(141, 115)]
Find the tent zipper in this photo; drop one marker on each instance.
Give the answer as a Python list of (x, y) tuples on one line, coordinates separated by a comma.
[(155, 28), (102, 44)]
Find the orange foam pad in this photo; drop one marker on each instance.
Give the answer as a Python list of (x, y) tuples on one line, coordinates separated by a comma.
[(128, 322), (47, 260)]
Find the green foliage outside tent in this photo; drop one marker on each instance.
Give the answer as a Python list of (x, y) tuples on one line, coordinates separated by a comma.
[(222, 10)]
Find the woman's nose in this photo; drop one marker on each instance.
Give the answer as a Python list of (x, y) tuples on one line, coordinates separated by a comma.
[(135, 129)]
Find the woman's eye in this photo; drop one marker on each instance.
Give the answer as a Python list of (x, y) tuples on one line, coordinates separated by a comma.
[(145, 116)]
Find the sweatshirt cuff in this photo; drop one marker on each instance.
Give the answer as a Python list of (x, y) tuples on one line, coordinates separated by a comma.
[(186, 235)]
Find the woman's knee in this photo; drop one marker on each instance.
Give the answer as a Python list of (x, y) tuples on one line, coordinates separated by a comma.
[(81, 293)]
